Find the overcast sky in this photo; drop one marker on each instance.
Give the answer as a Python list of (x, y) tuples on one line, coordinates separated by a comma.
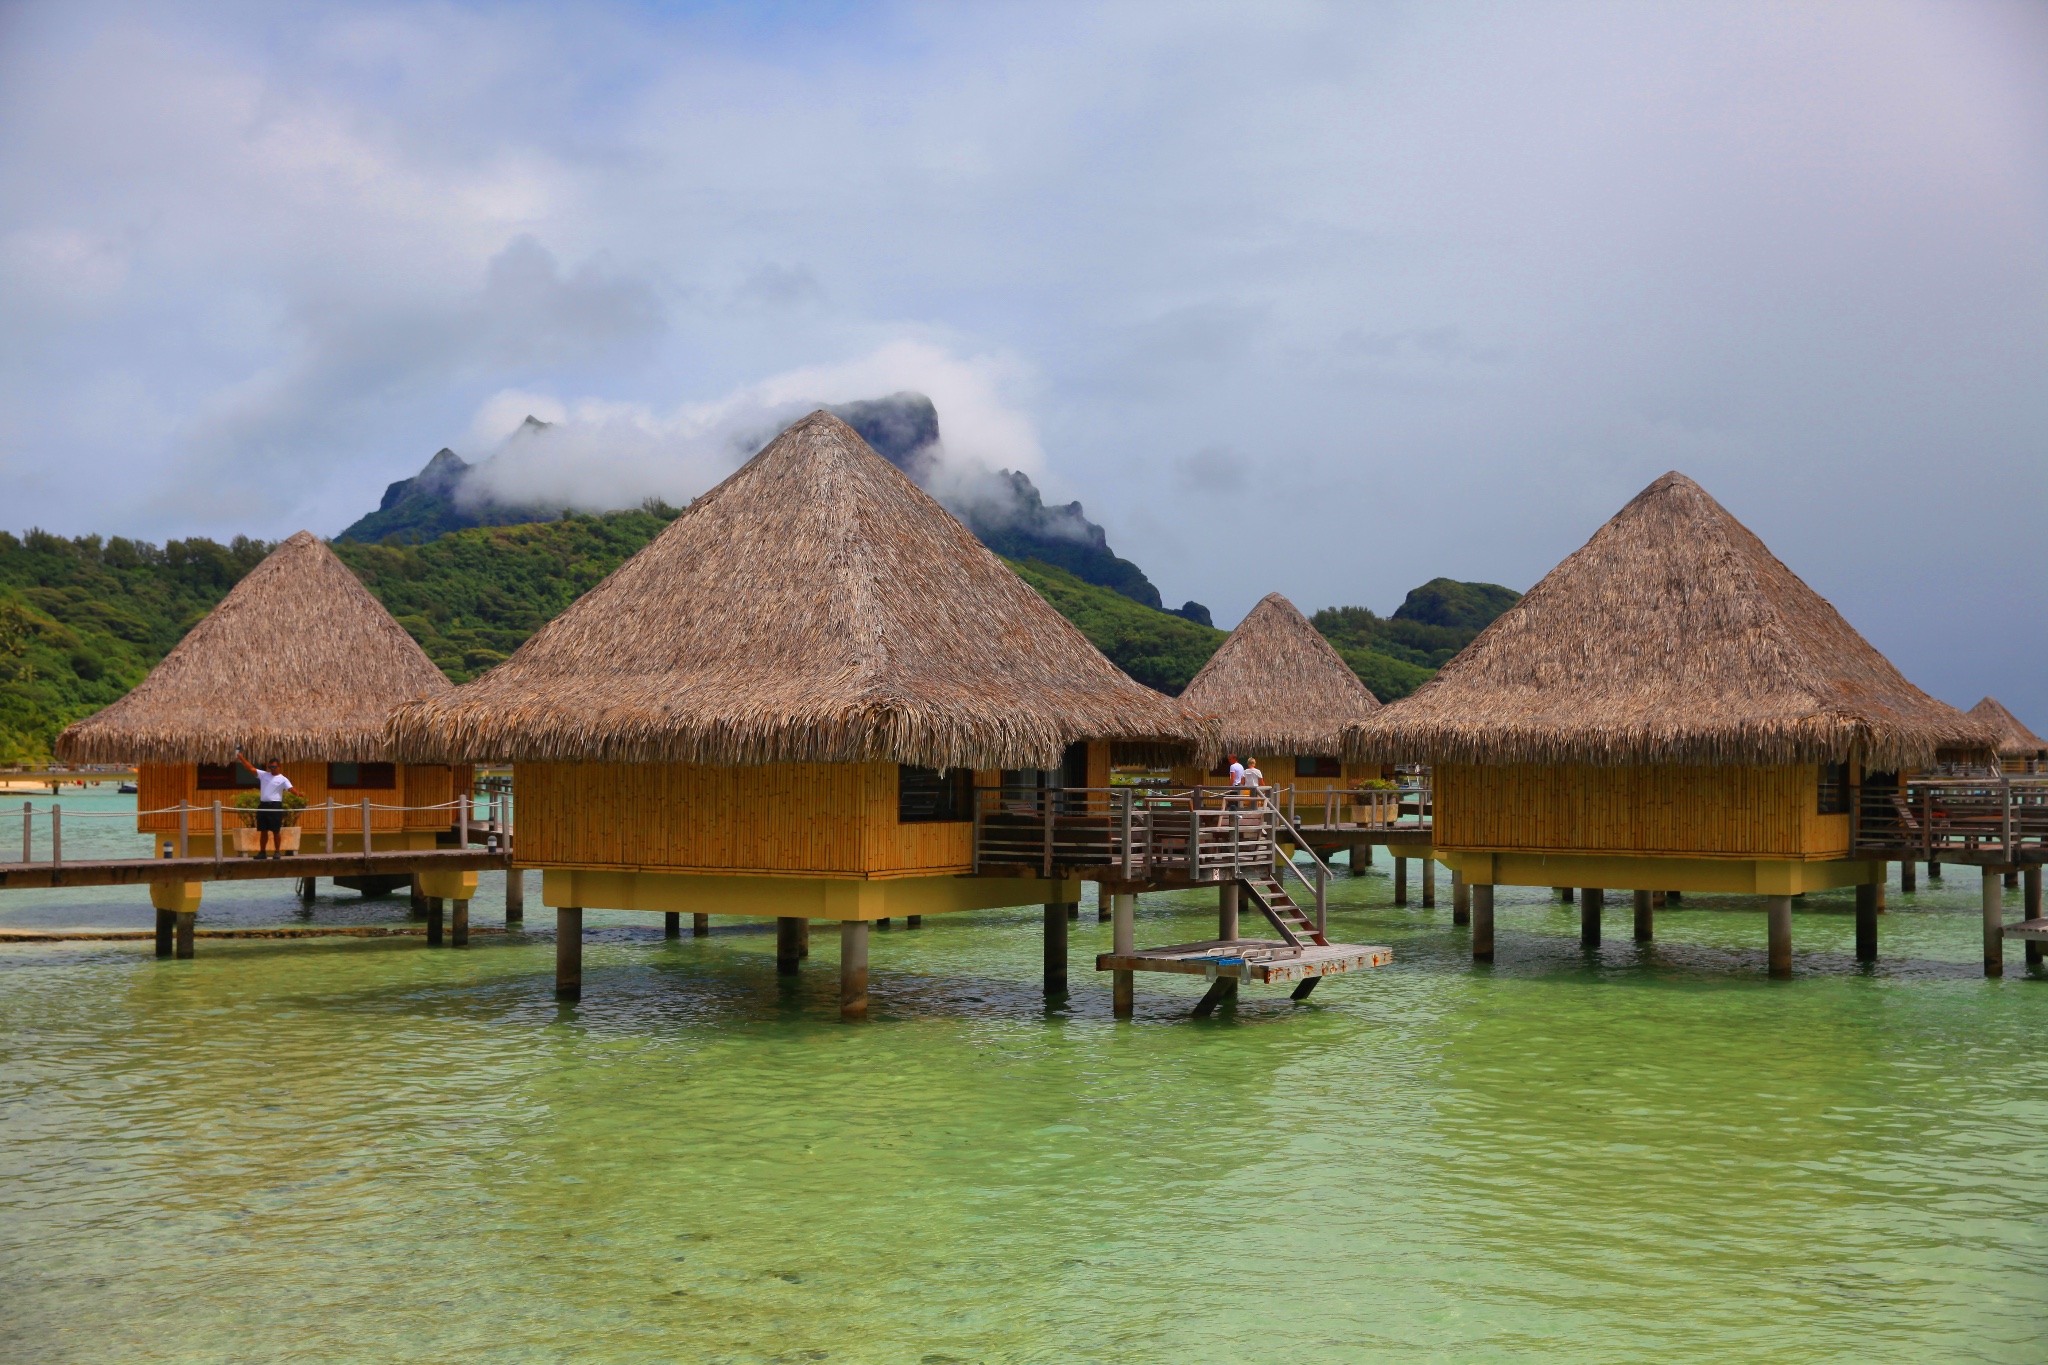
[(1328, 299)]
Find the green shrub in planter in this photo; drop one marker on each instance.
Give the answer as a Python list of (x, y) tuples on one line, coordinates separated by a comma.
[(245, 805)]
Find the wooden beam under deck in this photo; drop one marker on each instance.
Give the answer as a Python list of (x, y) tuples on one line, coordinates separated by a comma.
[(1209, 959), (142, 871)]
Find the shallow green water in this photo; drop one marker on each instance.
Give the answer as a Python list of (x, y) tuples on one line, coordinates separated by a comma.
[(366, 1151)]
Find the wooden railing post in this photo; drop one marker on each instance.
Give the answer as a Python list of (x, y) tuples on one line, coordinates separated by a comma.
[(1127, 834), (218, 833), (1045, 799), (366, 829), (184, 828), (28, 811), (329, 850), (56, 835)]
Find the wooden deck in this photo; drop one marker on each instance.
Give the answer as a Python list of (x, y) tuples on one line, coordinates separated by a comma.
[(2035, 930), (142, 871), (1267, 960)]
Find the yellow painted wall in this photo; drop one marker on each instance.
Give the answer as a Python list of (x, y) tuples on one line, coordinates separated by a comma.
[(797, 897), (1664, 872), (1666, 810)]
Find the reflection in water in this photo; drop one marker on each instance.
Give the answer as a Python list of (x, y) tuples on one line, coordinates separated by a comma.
[(362, 1150)]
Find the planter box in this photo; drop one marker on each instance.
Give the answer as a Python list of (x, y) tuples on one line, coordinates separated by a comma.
[(246, 839)]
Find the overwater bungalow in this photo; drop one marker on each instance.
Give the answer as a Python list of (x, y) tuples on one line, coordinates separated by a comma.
[(1670, 709), (803, 700), (2020, 750), (300, 665)]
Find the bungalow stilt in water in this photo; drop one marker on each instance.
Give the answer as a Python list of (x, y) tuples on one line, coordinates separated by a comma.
[(787, 706), (1670, 709), (2020, 750), (1279, 696), (298, 664)]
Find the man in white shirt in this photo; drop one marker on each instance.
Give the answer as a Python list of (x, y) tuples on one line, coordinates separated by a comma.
[(271, 785), (1253, 778), (1236, 772)]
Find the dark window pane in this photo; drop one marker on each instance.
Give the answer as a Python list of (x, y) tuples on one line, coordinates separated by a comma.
[(223, 777), (1834, 789), (926, 794), (362, 776), (1318, 767)]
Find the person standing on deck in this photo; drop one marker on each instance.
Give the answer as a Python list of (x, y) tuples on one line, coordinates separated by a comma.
[(271, 785), (1236, 781), (1253, 778)]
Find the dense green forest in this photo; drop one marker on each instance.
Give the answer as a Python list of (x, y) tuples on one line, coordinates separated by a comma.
[(81, 621)]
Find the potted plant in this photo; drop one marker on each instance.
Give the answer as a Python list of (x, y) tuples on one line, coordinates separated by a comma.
[(248, 839)]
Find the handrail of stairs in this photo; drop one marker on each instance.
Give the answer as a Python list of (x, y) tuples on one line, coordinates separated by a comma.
[(1320, 886)]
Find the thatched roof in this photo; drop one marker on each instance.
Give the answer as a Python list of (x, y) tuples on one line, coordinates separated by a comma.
[(817, 606), (298, 662), (1276, 686), (2014, 739), (1672, 636)]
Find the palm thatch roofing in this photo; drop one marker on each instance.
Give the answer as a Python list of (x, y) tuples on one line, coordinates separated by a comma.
[(298, 662), (1276, 686), (2014, 739), (1672, 636), (817, 606)]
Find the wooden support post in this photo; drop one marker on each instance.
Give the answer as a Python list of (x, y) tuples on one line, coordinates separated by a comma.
[(700, 926), (2012, 879), (182, 934), (1866, 922), (1429, 882), (789, 936), (2030, 908), (1877, 889), (1908, 871), (1226, 911), (1672, 897), (1482, 922), (1933, 870), (1656, 900), (1056, 948), (433, 921), (569, 952), (1073, 913), (1778, 934), (458, 926), (671, 924), (1646, 916), (917, 921), (515, 896), (1104, 902), (166, 925), (1222, 991), (881, 923), (308, 888), (418, 897), (1461, 901), (1400, 880), (1123, 938), (1304, 988), (1361, 857), (853, 969), (1592, 900), (1994, 922)]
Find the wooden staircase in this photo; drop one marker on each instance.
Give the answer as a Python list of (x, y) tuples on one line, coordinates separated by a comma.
[(1296, 925)]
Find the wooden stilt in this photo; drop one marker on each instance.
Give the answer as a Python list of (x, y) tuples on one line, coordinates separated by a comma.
[(1226, 911), (166, 926), (1672, 898), (182, 933), (1123, 939), (1877, 889), (788, 944), (1461, 902), (569, 952), (2030, 908), (308, 888), (2012, 879), (853, 969), (1222, 991), (1656, 900), (1866, 923), (1104, 903), (700, 926), (1482, 922), (458, 924), (881, 923), (1646, 916), (1933, 869), (1304, 988), (1361, 857), (1994, 922), (434, 913), (1400, 880), (917, 921), (1056, 947), (419, 900), (1564, 894), (515, 897), (1908, 871), (803, 938), (1778, 934), (1429, 883), (672, 924), (1073, 913), (1591, 900)]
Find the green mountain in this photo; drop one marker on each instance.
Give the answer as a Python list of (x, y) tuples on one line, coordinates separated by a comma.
[(82, 621)]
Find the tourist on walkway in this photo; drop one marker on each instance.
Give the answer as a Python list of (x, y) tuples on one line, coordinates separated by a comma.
[(271, 785)]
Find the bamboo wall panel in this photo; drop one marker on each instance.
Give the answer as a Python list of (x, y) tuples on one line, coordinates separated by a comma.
[(1729, 811), (791, 818), (166, 784)]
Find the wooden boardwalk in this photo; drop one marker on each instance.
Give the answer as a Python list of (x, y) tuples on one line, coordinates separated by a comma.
[(142, 871)]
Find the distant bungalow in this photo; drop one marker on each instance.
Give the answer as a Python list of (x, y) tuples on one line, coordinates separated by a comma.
[(2020, 750), (782, 707), (1671, 708), (298, 664)]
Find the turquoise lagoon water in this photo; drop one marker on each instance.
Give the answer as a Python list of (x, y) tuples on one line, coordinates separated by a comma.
[(363, 1150)]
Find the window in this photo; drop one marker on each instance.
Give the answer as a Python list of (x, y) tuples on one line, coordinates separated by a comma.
[(1834, 789), (363, 776), (1318, 767), (924, 795), (225, 777)]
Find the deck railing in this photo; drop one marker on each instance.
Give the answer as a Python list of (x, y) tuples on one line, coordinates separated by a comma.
[(1927, 817), (1202, 835)]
